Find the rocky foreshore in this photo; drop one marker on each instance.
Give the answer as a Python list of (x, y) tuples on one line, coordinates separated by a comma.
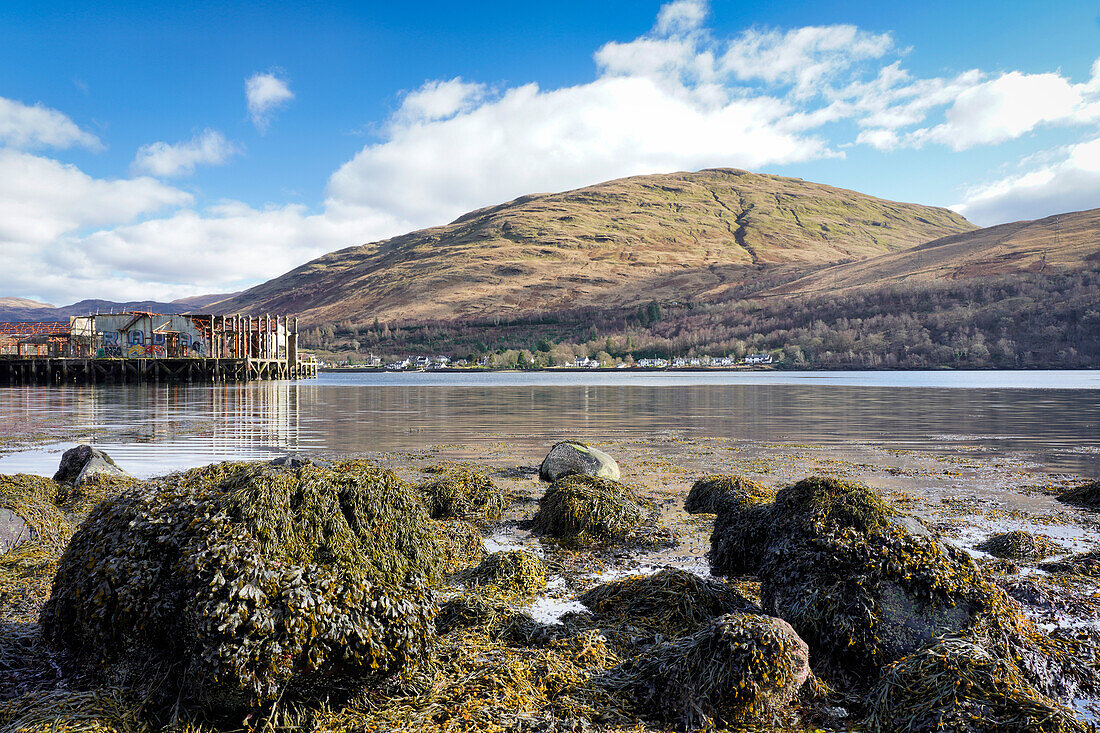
[(412, 593)]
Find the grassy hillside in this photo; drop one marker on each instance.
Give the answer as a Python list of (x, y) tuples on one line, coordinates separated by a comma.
[(1061, 243), (1020, 295), (613, 244)]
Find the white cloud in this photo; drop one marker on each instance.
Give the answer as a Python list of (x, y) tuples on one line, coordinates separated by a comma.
[(42, 199), (807, 58), (437, 100), (39, 126), (179, 159), (224, 247), (1009, 106), (1069, 183), (681, 16), (265, 94), (531, 139), (883, 139)]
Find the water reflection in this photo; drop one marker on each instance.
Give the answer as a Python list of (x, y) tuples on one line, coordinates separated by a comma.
[(152, 428)]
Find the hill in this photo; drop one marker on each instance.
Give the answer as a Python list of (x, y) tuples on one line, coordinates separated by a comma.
[(21, 309), (1056, 244), (612, 244), (1019, 295)]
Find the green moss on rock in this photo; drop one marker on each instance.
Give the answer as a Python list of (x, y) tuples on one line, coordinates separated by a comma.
[(33, 499), (741, 526), (460, 544), (492, 617), (234, 584), (865, 585)]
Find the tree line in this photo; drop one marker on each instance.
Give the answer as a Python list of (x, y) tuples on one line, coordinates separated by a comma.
[(1018, 321)]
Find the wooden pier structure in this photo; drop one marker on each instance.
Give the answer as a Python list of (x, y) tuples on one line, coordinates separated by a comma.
[(150, 347)]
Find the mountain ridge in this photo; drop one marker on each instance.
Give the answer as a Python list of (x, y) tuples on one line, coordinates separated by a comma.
[(601, 244), (1057, 243)]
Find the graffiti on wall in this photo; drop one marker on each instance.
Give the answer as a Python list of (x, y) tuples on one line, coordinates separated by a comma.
[(111, 345)]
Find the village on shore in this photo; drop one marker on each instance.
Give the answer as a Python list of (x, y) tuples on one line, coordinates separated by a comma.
[(441, 362)]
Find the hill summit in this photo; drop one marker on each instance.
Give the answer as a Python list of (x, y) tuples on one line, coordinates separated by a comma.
[(613, 243)]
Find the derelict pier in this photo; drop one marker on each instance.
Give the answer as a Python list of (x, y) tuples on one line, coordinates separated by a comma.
[(150, 347)]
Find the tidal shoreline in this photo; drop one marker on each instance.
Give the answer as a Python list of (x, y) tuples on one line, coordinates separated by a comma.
[(965, 496)]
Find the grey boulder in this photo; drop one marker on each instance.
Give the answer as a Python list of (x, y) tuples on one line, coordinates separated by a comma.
[(13, 530), (84, 462), (570, 458)]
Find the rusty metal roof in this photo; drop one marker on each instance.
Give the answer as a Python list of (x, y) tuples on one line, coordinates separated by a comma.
[(35, 328)]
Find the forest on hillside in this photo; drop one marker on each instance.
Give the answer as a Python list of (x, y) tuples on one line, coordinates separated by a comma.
[(1013, 322)]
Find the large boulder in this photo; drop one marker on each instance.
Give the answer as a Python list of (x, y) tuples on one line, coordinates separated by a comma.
[(587, 510), (865, 585), (83, 463), (956, 685), (570, 458), (738, 671), (670, 601), (232, 585)]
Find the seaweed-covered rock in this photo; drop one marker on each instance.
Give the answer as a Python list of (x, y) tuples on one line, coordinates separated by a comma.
[(864, 585), (461, 492), (508, 574), (739, 670), (29, 512), (1086, 495), (230, 585), (37, 517), (1019, 545), (1083, 563), (570, 458), (709, 492), (956, 685), (82, 463), (459, 543), (671, 601), (740, 528), (494, 618), (586, 509)]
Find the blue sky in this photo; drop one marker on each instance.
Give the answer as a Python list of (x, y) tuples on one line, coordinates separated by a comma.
[(158, 150)]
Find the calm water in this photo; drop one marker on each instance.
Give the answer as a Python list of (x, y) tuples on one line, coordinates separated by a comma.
[(1052, 418)]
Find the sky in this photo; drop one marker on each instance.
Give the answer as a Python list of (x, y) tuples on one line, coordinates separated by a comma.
[(158, 150)]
